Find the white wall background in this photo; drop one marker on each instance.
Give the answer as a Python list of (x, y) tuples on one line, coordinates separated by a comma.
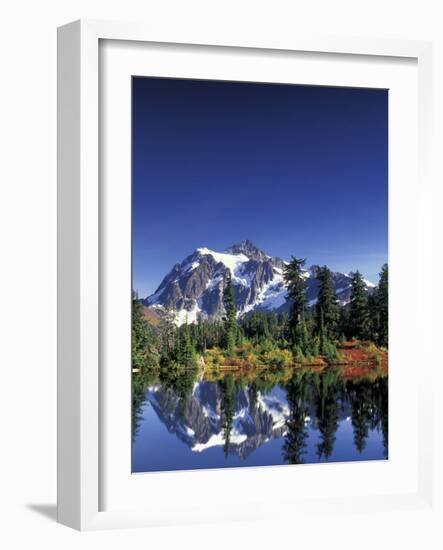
[(28, 264)]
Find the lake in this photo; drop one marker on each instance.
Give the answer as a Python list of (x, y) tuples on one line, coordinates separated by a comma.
[(185, 420)]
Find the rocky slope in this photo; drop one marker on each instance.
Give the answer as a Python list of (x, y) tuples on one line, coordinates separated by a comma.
[(193, 289)]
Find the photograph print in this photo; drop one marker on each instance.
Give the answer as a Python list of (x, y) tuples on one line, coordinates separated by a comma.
[(260, 274)]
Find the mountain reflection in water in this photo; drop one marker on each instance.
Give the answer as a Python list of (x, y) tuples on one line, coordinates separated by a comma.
[(185, 421)]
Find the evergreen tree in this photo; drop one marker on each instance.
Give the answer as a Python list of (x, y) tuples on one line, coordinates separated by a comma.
[(185, 352), (240, 337), (343, 323), (327, 309), (230, 320), (374, 315), (295, 283), (383, 306), (359, 321), (168, 334), (144, 349), (297, 354), (325, 346), (273, 325)]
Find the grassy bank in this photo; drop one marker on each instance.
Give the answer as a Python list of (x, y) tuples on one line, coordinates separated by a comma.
[(264, 355)]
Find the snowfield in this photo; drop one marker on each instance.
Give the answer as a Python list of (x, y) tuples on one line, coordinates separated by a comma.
[(234, 262)]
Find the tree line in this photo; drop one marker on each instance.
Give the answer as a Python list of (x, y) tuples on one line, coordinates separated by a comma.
[(317, 329), (306, 331)]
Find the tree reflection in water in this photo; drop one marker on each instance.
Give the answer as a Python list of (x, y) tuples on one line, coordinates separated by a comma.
[(238, 412)]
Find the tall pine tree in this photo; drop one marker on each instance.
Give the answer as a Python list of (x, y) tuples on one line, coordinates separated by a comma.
[(359, 320), (295, 282), (185, 352), (231, 317), (374, 315), (383, 306), (327, 309)]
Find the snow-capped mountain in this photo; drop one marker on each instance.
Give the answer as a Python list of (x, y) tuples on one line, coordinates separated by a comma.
[(193, 289)]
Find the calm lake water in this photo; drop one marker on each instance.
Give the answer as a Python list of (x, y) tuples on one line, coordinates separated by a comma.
[(183, 421)]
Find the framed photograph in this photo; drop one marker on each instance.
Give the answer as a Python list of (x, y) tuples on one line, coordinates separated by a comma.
[(240, 357), (240, 222)]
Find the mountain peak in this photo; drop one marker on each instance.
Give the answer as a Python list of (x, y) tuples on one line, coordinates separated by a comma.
[(193, 289), (247, 248)]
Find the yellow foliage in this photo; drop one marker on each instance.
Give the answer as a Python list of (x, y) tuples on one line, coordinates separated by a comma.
[(277, 357), (214, 357)]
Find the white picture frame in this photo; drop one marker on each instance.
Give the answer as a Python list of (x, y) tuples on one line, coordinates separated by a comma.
[(82, 399)]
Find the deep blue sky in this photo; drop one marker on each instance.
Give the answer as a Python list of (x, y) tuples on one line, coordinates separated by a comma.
[(298, 170)]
